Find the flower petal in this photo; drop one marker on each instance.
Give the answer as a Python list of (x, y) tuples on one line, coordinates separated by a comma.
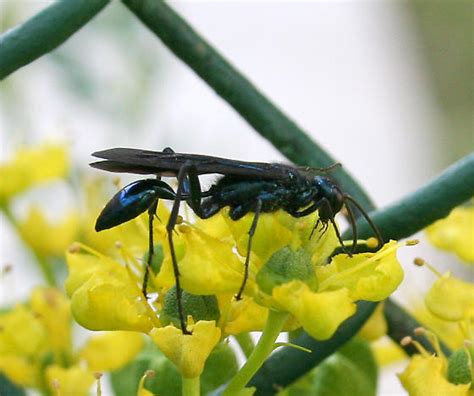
[(22, 333), (103, 296), (110, 351), (451, 299), (188, 351), (424, 376), (320, 314), (368, 276), (20, 370), (32, 166), (74, 380), (208, 266), (245, 315), (455, 233), (45, 238), (52, 308)]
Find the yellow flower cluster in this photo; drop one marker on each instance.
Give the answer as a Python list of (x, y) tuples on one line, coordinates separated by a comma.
[(455, 233), (288, 273), (36, 347), (32, 166), (450, 303)]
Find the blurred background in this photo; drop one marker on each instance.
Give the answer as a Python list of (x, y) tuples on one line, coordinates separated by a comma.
[(384, 86)]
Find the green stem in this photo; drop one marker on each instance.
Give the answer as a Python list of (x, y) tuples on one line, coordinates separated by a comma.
[(44, 32), (43, 265), (424, 206), (401, 324), (191, 386), (238, 91), (263, 349), (246, 343), (289, 364)]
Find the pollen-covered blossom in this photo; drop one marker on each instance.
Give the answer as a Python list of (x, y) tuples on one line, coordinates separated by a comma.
[(455, 233), (287, 273), (450, 303), (36, 348)]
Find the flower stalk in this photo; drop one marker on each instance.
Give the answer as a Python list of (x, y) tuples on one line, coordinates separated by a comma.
[(190, 386), (263, 349)]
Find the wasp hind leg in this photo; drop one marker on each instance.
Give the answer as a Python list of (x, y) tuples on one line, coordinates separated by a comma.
[(253, 227), (151, 252)]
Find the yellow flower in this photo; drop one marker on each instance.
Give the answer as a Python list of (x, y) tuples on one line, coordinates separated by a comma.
[(243, 316), (207, 265), (368, 276), (32, 166), (110, 351), (451, 299), (449, 302), (320, 314), (35, 343), (188, 351), (107, 296), (425, 375), (322, 304), (25, 339), (103, 295), (48, 239), (449, 332), (52, 309), (75, 380), (455, 233)]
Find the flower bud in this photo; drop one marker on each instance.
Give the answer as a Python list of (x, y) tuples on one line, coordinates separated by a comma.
[(284, 266), (459, 367), (199, 307), (156, 260)]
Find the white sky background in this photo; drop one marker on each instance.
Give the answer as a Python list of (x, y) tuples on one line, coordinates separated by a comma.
[(350, 73)]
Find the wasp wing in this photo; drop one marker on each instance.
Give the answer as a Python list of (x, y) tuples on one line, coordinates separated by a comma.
[(167, 163)]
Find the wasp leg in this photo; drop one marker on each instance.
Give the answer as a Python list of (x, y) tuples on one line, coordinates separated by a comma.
[(182, 178), (151, 250), (252, 229), (333, 222)]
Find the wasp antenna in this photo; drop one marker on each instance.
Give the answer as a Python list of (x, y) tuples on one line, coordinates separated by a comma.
[(310, 169), (353, 225), (339, 238), (372, 225)]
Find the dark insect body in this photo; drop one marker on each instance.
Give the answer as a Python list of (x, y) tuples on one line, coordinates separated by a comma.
[(244, 187)]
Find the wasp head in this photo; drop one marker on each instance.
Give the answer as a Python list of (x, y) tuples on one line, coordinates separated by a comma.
[(328, 191)]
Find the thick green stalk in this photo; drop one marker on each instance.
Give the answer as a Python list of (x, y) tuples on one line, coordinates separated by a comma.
[(238, 91), (401, 324), (429, 203), (44, 32)]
